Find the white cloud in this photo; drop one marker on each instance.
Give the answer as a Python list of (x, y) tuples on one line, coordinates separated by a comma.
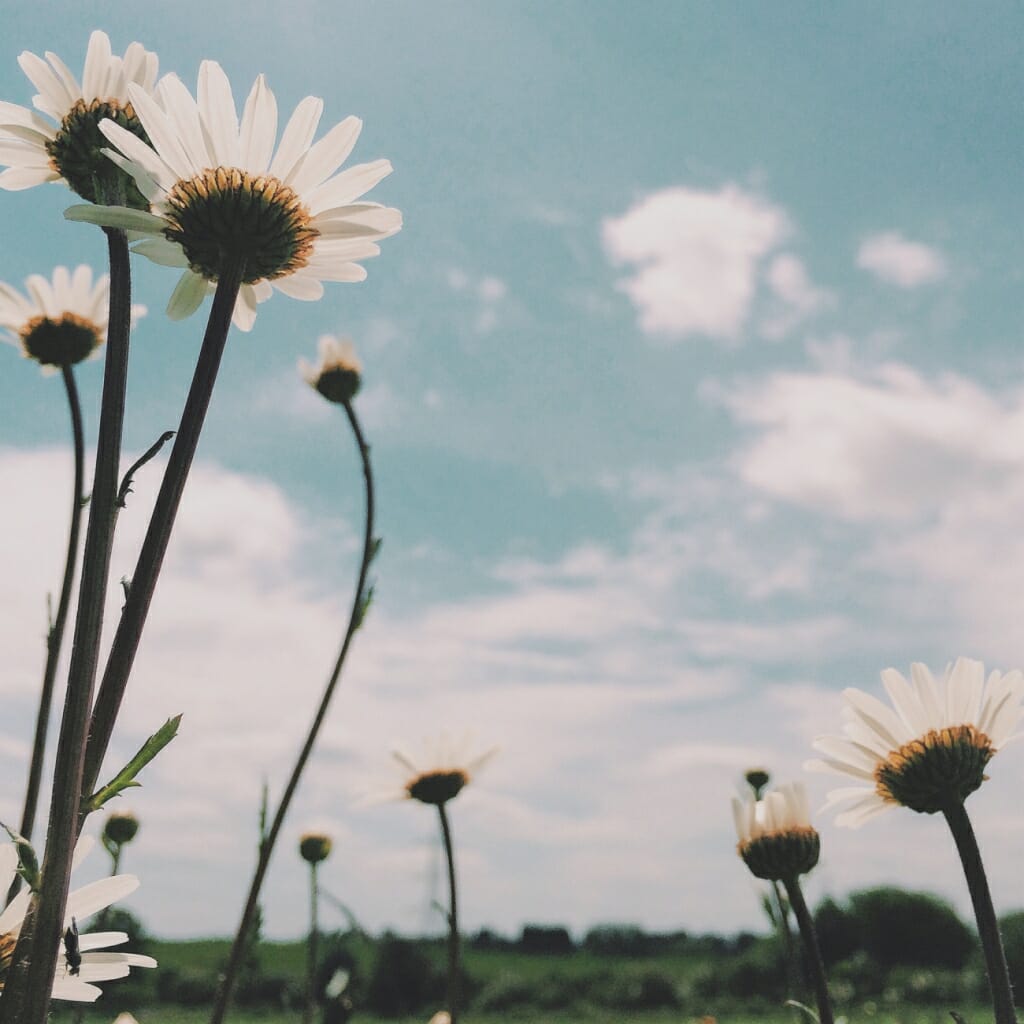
[(697, 255), (796, 297), (899, 261), (886, 444), (931, 471)]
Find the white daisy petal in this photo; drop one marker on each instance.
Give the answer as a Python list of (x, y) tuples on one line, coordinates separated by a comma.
[(14, 179), (97, 59), (99, 894), (162, 251), (297, 137), (182, 110), (326, 156), (139, 153), (163, 133), (349, 185), (53, 96), (218, 114), (304, 288), (259, 128)]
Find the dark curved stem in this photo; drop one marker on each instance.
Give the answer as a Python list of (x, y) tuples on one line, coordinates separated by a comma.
[(815, 964), (984, 913), (55, 637), (454, 945), (227, 984), (158, 534), (26, 996)]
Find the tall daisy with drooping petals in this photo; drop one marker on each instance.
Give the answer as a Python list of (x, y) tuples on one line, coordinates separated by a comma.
[(223, 196), (928, 752), (76, 975), (778, 843), (36, 150), (58, 322), (929, 749), (439, 777)]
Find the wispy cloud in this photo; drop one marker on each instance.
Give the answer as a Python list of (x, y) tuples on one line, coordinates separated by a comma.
[(897, 260)]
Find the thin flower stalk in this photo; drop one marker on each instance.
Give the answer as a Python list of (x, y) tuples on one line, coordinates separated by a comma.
[(311, 947), (227, 984), (454, 942), (984, 913), (812, 951), (55, 637), (158, 534), (26, 996)]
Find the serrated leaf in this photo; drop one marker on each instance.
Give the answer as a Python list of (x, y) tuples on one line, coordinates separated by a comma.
[(125, 778)]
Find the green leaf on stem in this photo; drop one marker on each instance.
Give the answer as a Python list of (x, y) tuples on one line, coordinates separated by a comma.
[(28, 862), (364, 607), (125, 778)]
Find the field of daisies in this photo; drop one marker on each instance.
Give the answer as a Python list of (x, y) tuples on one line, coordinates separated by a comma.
[(239, 201)]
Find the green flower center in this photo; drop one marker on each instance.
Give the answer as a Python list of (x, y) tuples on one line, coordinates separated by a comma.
[(227, 214), (75, 153), (945, 766), (437, 787), (777, 856), (62, 342)]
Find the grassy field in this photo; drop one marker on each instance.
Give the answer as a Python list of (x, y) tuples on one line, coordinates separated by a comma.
[(200, 959)]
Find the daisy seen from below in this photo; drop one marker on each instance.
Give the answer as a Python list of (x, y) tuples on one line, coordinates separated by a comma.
[(778, 843), (36, 150), (338, 374), (73, 981), (927, 751), (61, 321), (444, 770), (776, 838), (225, 202)]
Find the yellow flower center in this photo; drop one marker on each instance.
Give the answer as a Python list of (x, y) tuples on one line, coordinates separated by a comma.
[(75, 153), (941, 768), (226, 214), (7, 943), (62, 342), (777, 856), (437, 787)]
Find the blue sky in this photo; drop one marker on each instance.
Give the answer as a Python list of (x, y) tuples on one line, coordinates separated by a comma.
[(693, 383)]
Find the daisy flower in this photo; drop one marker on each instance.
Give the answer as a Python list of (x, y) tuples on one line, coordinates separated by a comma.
[(222, 195), (776, 838), (69, 148), (929, 750), (58, 322), (337, 377), (444, 771), (73, 981)]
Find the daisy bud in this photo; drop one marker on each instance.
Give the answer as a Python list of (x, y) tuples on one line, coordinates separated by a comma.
[(120, 827), (315, 847)]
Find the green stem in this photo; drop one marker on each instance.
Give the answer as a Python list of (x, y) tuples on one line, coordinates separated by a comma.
[(26, 997), (792, 966), (454, 946), (311, 947), (227, 984), (55, 638), (984, 912), (161, 523), (812, 950)]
